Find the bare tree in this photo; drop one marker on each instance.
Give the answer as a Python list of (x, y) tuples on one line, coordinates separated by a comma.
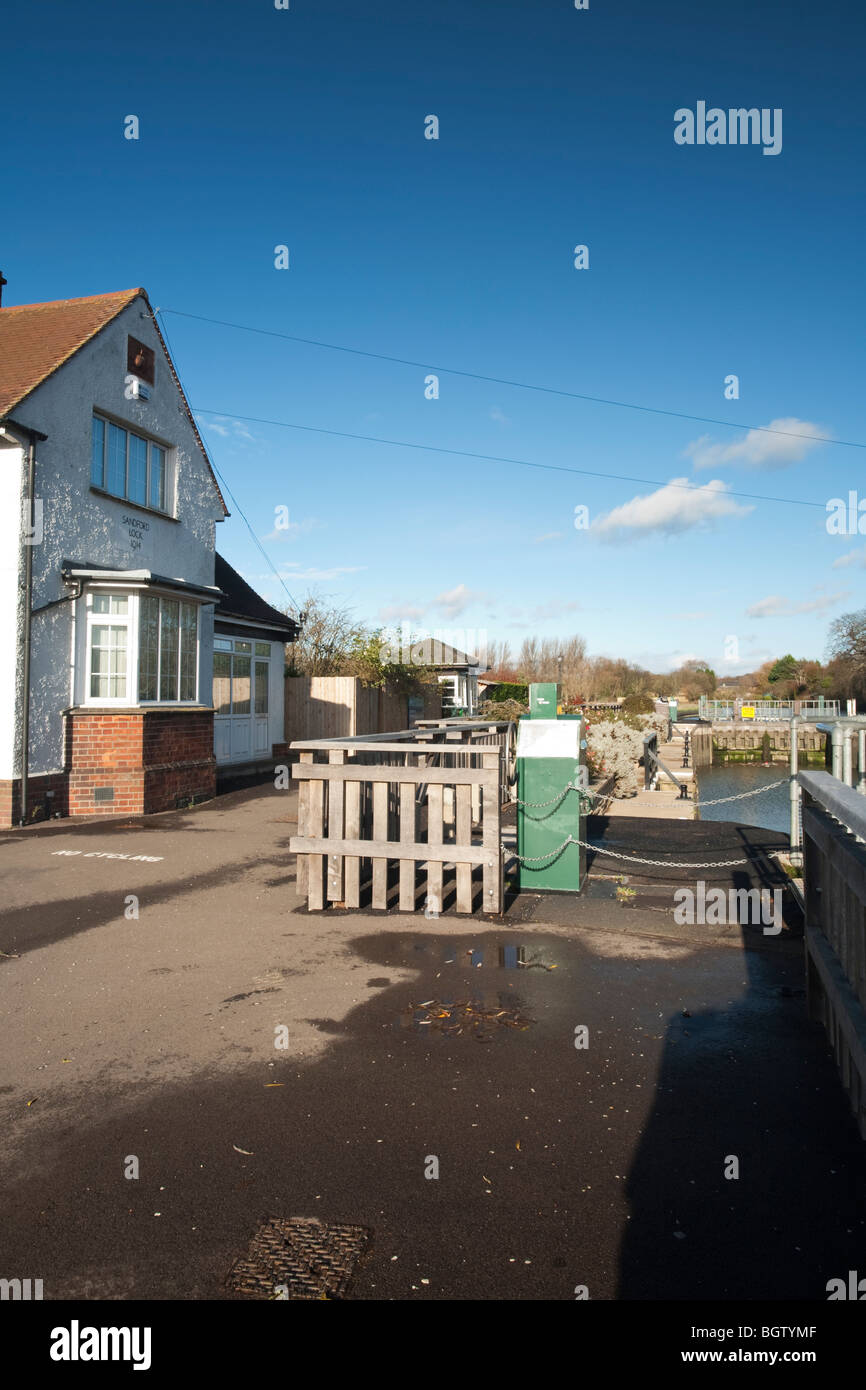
[(847, 651), (328, 636)]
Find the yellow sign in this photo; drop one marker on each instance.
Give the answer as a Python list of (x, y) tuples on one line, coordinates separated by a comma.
[(748, 711)]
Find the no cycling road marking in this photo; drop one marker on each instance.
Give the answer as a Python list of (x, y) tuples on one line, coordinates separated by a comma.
[(106, 854)]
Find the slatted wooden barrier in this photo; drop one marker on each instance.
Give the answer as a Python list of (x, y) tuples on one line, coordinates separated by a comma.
[(369, 804), (834, 874)]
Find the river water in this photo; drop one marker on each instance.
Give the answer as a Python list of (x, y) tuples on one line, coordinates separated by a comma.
[(770, 810)]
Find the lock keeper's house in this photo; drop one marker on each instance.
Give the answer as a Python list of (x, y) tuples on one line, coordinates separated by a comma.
[(135, 659)]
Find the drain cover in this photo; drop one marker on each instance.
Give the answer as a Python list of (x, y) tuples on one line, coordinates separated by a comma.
[(298, 1258)]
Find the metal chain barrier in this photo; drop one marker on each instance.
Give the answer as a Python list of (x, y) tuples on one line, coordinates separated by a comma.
[(740, 796), (537, 805), (629, 858), (716, 801)]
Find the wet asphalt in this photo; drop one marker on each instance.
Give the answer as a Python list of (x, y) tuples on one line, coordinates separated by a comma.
[(559, 1166)]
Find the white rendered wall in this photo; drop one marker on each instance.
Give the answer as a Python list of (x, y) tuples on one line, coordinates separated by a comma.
[(11, 497), (91, 529)]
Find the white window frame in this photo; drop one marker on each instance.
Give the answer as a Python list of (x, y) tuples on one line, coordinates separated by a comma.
[(131, 621), (229, 646), (152, 443), (120, 620)]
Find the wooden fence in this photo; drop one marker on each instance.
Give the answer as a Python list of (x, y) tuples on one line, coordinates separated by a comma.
[(834, 873), (374, 811), (341, 707)]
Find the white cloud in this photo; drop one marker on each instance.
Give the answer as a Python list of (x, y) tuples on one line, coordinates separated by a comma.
[(294, 528), (292, 570), (690, 617), (224, 425), (455, 601), (758, 449), (548, 536), (555, 608), (775, 606), (398, 613), (678, 506), (452, 602), (499, 416), (854, 557)]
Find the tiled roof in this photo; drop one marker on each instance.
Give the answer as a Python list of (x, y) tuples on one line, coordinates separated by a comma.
[(436, 653), (240, 600), (36, 339)]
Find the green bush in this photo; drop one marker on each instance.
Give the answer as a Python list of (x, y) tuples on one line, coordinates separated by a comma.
[(507, 690), (501, 709), (637, 704)]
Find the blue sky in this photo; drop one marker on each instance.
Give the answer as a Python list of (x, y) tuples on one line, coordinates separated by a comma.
[(305, 128)]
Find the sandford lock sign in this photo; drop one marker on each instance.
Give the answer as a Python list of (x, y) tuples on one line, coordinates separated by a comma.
[(137, 536)]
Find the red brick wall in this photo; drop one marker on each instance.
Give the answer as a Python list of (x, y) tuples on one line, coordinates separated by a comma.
[(150, 759), (179, 760), (39, 806)]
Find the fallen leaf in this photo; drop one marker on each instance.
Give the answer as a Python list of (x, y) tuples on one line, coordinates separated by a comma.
[(248, 1152), (32, 1102), (270, 1084)]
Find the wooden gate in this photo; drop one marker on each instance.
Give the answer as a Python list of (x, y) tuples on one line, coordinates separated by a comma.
[(373, 812)]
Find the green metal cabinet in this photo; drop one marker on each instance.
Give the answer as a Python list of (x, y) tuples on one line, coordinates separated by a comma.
[(551, 753)]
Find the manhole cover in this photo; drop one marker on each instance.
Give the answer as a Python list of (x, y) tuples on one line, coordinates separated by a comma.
[(298, 1258)]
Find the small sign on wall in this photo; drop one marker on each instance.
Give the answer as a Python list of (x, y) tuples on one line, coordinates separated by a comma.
[(748, 711), (136, 538)]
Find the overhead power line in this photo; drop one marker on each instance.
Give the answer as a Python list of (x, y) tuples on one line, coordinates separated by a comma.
[(519, 385), (496, 458), (238, 508)]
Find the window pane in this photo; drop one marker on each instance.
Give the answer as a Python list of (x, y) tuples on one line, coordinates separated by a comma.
[(243, 646), (137, 491), (263, 649), (148, 647), (222, 644), (168, 635), (188, 651), (241, 686), (97, 459), (116, 461), (107, 661), (222, 683), (157, 477), (261, 687), (110, 603)]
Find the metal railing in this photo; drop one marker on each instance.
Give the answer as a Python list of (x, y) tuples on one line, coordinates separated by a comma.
[(653, 765), (834, 874), (768, 709)]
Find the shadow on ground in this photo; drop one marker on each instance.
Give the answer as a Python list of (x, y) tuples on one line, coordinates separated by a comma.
[(558, 1166)]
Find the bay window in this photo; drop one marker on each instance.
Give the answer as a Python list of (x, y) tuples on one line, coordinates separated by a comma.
[(142, 648)]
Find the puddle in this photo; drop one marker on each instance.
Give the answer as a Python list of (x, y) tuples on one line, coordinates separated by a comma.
[(510, 957)]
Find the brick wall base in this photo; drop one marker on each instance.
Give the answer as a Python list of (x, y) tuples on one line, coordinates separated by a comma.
[(41, 803), (122, 762)]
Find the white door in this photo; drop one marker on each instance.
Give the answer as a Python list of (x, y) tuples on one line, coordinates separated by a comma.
[(241, 672)]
